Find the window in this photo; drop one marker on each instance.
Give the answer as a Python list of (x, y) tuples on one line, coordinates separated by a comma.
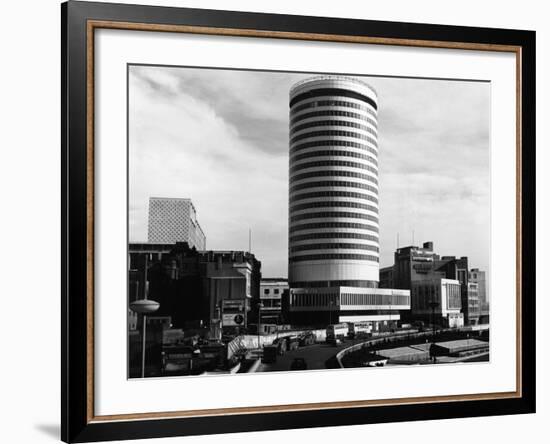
[(320, 257), (276, 291), (266, 291), (333, 183), (333, 214), (345, 123), (334, 133), (333, 153), (341, 103), (329, 204), (331, 143), (330, 246), (338, 113), (313, 226), (319, 92), (339, 173)]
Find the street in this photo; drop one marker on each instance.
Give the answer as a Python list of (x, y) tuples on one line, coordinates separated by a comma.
[(315, 356)]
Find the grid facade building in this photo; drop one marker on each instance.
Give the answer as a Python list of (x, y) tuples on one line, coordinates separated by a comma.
[(174, 220)]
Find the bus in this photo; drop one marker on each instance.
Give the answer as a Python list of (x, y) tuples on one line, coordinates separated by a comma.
[(360, 329), (337, 331)]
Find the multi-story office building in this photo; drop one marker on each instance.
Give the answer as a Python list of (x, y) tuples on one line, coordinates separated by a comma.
[(478, 276), (443, 292), (174, 220), (333, 204), (474, 306), (415, 264)]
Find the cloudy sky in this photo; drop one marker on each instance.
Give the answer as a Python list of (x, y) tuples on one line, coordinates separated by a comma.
[(220, 137)]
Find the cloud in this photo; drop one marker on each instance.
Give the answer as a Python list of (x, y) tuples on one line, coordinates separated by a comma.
[(220, 137)]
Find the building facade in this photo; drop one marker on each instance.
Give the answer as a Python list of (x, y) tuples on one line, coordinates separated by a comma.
[(333, 175), (197, 289), (174, 220), (414, 265), (479, 277), (333, 202), (272, 291), (443, 292)]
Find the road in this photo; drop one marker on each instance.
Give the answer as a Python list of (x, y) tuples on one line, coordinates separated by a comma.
[(315, 356)]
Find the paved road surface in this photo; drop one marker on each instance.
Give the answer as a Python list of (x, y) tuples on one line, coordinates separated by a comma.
[(315, 356)]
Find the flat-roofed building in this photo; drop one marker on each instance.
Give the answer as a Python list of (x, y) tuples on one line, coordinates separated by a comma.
[(272, 291), (174, 220), (445, 293)]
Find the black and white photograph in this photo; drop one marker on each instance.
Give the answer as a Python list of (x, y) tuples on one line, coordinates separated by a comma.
[(295, 221)]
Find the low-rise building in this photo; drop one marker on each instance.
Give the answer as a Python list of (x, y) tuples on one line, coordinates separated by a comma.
[(271, 295), (196, 288), (445, 294), (330, 305)]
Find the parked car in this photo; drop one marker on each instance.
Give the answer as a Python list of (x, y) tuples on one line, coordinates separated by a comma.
[(298, 364)]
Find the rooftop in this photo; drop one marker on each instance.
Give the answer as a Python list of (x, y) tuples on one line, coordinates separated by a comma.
[(332, 77)]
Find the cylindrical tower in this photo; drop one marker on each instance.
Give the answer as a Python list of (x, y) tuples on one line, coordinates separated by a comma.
[(333, 190)]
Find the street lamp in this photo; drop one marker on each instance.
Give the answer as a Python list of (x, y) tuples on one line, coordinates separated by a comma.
[(144, 306), (433, 305), (260, 306)]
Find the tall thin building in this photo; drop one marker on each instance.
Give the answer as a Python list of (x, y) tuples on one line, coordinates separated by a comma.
[(174, 220), (333, 206)]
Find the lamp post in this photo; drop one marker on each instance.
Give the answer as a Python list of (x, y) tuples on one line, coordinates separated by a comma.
[(144, 306), (433, 305), (260, 306)]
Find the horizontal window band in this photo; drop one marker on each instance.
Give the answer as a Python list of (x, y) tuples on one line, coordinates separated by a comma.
[(333, 256), (339, 92), (340, 163), (344, 123), (333, 246), (334, 173), (341, 283), (334, 153), (333, 204), (333, 183), (332, 103), (333, 113), (333, 143), (319, 194), (334, 214), (325, 225), (334, 133), (333, 235)]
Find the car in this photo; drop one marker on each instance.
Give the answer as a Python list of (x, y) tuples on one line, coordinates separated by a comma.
[(298, 364), (334, 341)]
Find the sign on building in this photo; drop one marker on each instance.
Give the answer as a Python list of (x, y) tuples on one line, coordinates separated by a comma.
[(233, 312)]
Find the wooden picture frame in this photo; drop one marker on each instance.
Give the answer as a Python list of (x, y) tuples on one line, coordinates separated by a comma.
[(79, 22)]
